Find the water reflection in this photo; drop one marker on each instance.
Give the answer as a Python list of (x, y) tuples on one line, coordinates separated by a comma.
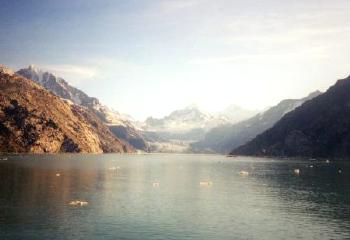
[(271, 202), (318, 198)]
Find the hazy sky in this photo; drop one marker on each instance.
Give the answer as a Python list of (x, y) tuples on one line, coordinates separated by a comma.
[(146, 57)]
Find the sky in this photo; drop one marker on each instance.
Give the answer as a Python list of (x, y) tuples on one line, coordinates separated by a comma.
[(150, 57)]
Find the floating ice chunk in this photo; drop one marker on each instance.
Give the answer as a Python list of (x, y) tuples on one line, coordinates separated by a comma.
[(297, 171), (243, 173), (114, 168), (155, 184), (205, 183), (78, 203)]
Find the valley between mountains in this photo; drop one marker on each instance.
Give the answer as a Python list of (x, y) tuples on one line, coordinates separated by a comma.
[(42, 113)]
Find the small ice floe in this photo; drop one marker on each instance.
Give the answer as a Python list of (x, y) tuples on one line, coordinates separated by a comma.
[(78, 203), (3, 159), (327, 161), (339, 171), (243, 173), (155, 184), (205, 183), (296, 171), (311, 166), (114, 168), (58, 174)]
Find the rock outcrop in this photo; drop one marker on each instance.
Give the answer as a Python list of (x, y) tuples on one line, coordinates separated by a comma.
[(33, 120), (58, 86)]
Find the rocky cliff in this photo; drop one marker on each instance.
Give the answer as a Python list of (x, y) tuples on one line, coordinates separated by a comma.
[(33, 120), (120, 126)]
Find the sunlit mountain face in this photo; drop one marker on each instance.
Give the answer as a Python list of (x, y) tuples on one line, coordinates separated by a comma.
[(119, 124), (34, 120)]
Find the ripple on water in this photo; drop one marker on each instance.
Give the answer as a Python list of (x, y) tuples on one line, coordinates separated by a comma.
[(164, 196)]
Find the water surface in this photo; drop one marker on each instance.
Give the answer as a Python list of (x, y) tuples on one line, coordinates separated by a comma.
[(124, 203)]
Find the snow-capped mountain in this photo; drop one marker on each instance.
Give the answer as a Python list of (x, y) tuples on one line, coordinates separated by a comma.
[(118, 124), (192, 117), (182, 120), (6, 70), (182, 127), (59, 87)]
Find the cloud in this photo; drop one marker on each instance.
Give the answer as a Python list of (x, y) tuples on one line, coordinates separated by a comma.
[(175, 5), (97, 68), (276, 37), (107, 68), (290, 35), (170, 8), (73, 73), (306, 54)]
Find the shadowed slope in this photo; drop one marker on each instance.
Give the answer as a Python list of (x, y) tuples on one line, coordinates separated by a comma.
[(318, 128)]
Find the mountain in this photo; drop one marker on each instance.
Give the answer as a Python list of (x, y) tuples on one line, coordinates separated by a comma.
[(33, 120), (234, 114), (318, 128), (180, 128), (179, 121), (191, 117), (6, 70), (59, 86), (119, 125), (224, 138)]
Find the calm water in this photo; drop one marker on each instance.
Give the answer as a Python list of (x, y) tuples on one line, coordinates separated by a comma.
[(270, 203)]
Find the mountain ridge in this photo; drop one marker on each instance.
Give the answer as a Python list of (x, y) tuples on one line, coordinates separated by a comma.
[(34, 120), (120, 127), (224, 138), (318, 128), (192, 117)]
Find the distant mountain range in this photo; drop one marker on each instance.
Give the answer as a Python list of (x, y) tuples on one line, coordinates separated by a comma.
[(172, 133), (318, 128), (40, 112), (34, 120), (175, 132), (223, 139), (191, 117), (120, 126)]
